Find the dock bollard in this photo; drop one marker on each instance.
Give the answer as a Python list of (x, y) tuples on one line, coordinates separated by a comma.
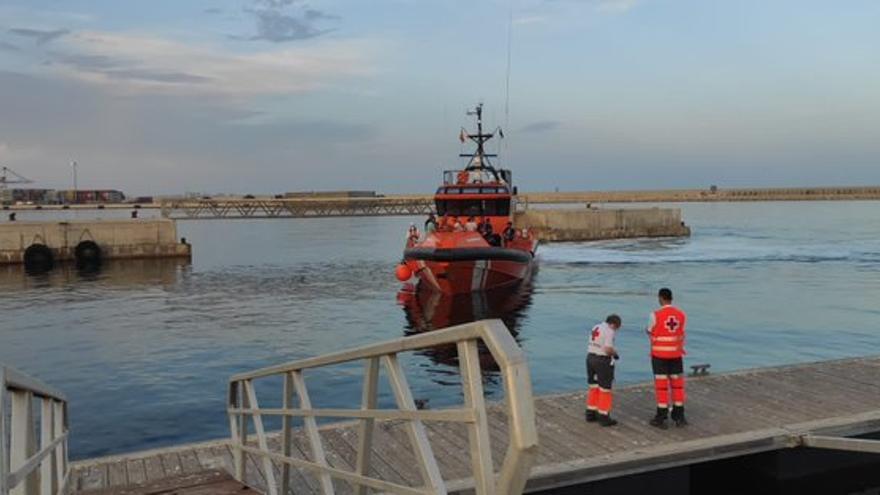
[(700, 369)]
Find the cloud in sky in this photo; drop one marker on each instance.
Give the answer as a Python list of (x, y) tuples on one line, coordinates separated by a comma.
[(280, 21), (40, 36), (140, 63), (541, 126), (615, 6), (525, 20), (9, 47)]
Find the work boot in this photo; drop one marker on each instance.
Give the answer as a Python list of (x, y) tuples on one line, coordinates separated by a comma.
[(659, 420), (678, 416), (590, 416), (606, 420)]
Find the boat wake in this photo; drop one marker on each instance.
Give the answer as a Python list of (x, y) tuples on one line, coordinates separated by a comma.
[(717, 249)]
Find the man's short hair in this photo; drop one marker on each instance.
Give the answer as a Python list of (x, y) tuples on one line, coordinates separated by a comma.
[(613, 320), (665, 294)]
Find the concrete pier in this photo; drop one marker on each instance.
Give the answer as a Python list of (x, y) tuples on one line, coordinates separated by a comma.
[(114, 239), (597, 224)]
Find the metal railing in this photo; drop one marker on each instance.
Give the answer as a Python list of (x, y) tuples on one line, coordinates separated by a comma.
[(25, 470), (523, 441)]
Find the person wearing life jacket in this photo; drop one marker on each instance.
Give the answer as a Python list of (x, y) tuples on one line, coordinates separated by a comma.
[(601, 356), (412, 234), (667, 334), (509, 233)]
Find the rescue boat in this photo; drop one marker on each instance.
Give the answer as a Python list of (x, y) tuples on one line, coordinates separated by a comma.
[(474, 246)]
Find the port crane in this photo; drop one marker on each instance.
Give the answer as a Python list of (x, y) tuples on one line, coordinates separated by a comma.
[(9, 176)]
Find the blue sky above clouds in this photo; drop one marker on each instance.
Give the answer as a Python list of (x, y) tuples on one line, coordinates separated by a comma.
[(275, 95)]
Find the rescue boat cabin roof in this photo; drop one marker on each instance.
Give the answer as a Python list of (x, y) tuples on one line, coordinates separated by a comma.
[(471, 189)]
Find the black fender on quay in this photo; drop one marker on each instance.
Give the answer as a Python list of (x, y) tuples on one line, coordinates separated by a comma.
[(38, 258)]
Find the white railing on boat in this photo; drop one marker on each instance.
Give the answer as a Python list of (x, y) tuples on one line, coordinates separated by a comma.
[(25, 468), (243, 406)]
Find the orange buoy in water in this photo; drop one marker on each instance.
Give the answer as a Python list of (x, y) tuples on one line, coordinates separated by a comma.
[(403, 272)]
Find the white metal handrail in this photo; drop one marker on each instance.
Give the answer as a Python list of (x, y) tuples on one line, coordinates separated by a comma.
[(25, 470), (523, 441)]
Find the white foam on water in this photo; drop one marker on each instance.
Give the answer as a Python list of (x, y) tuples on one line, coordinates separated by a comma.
[(725, 248)]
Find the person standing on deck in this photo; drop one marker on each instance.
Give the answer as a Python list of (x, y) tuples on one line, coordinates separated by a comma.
[(430, 225), (601, 356), (667, 333)]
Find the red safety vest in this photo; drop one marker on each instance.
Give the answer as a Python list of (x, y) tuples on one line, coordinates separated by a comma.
[(667, 336)]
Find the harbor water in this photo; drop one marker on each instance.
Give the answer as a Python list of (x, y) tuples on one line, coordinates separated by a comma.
[(144, 349)]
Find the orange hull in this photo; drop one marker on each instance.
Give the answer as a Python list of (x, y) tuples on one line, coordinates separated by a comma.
[(461, 262)]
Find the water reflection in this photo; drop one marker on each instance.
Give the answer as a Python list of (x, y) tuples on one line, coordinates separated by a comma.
[(110, 274), (428, 310)]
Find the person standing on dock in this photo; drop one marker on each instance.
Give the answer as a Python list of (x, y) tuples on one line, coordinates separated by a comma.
[(667, 333), (601, 356)]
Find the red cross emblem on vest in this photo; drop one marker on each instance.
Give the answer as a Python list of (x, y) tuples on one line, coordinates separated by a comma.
[(595, 334), (672, 324)]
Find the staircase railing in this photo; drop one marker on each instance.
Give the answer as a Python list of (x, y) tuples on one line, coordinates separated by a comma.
[(243, 406), (27, 468)]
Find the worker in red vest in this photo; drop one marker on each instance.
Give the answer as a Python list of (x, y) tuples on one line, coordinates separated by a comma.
[(601, 356), (667, 332)]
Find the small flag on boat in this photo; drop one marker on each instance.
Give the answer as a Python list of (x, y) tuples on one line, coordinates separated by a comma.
[(462, 136), (501, 132)]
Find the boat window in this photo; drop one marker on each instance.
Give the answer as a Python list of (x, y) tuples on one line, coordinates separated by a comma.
[(470, 190), (474, 207)]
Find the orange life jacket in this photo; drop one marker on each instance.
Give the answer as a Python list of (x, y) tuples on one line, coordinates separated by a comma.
[(667, 336), (462, 177)]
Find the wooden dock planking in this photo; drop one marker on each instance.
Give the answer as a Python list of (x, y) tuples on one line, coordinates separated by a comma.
[(731, 414)]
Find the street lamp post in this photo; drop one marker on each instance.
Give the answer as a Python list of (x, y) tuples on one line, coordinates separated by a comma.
[(75, 190)]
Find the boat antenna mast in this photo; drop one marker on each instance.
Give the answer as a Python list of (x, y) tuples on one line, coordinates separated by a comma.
[(479, 159)]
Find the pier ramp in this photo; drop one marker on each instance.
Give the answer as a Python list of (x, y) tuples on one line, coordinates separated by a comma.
[(506, 447)]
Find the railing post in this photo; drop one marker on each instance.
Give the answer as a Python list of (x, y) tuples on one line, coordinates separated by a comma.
[(305, 403), (238, 429), (22, 444), (4, 453), (48, 483), (478, 432), (287, 403), (60, 428), (262, 441), (425, 459), (369, 400)]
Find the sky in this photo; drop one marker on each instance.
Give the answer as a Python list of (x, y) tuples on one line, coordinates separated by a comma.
[(268, 96)]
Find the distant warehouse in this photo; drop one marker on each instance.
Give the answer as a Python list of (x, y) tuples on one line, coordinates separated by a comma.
[(26, 196), (330, 194), (87, 196), (51, 196)]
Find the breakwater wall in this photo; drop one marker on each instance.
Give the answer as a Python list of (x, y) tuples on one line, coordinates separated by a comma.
[(843, 193), (26, 242), (593, 224)]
